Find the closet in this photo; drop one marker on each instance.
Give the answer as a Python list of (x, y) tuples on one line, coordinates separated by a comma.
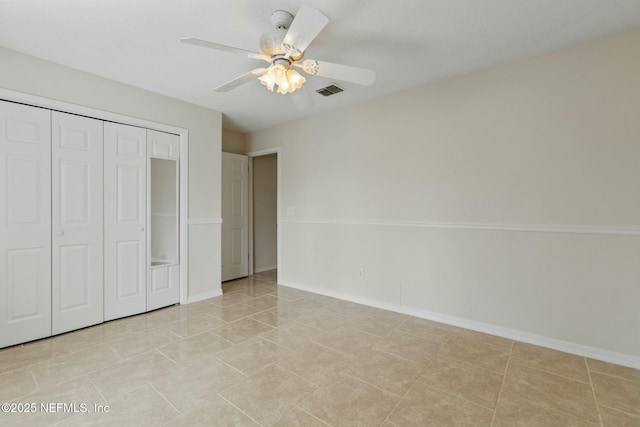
[(88, 221)]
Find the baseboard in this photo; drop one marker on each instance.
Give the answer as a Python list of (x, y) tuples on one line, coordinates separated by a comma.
[(487, 328), (267, 268), (203, 296)]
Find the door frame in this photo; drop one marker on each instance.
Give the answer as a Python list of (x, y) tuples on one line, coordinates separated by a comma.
[(65, 107), (278, 152)]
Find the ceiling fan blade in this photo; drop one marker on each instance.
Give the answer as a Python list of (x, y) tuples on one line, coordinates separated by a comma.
[(306, 25), (238, 81), (347, 73), (225, 48)]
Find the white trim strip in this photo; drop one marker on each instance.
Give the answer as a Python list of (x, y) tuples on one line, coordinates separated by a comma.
[(267, 268), (194, 221), (66, 107), (565, 346), (529, 228), (184, 215), (264, 152), (203, 296)]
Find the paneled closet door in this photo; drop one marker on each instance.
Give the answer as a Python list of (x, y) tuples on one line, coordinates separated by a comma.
[(25, 223), (77, 220), (125, 161)]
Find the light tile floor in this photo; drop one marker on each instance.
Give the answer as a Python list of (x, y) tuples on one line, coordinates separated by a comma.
[(263, 354)]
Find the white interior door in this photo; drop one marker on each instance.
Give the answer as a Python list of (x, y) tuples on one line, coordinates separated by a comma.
[(235, 217), (76, 215), (125, 161), (25, 223)]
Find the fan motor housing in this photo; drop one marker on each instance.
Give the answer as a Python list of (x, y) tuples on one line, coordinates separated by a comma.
[(271, 41), (281, 19)]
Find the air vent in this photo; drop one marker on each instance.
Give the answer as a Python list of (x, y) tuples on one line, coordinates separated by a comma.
[(332, 89)]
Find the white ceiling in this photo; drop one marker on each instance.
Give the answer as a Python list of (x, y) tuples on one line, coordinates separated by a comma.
[(407, 42)]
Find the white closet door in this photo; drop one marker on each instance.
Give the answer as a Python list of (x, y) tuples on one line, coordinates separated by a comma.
[(163, 145), (125, 161), (76, 215), (235, 218), (25, 223)]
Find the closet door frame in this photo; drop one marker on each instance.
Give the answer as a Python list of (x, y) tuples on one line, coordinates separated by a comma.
[(42, 102), (161, 280)]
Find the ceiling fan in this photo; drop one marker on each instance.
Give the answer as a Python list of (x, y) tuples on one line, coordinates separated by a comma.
[(283, 48)]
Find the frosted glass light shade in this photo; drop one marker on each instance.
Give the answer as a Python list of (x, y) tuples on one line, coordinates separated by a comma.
[(287, 80)]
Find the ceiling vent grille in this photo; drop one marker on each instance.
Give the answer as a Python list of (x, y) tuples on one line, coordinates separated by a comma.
[(332, 89)]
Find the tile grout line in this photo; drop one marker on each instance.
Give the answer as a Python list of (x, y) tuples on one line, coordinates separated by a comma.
[(556, 410), (352, 376), (435, 356), (311, 415), (593, 391), (164, 398), (276, 344), (504, 377), (245, 414), (286, 411), (451, 393), (617, 377), (620, 411), (158, 349), (457, 396), (404, 395), (97, 389), (10, 371), (38, 388), (232, 367), (397, 355), (303, 325), (84, 374), (535, 368), (275, 364), (472, 365), (122, 359), (422, 336)]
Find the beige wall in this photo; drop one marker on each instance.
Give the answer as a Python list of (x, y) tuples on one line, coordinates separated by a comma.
[(265, 212), (506, 200), (233, 142), (34, 76)]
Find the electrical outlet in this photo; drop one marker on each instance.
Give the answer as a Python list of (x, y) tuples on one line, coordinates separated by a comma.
[(361, 273)]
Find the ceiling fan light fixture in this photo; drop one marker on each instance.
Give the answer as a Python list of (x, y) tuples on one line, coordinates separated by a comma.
[(295, 79), (269, 78), (286, 79)]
